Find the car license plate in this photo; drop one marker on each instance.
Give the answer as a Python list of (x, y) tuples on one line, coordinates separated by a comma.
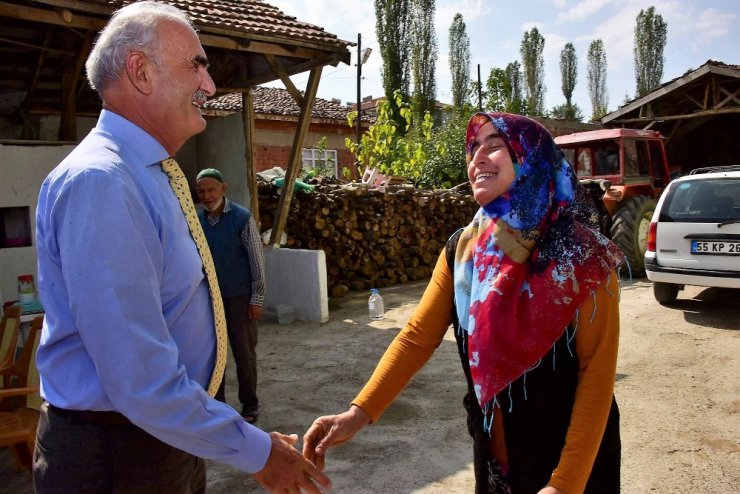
[(716, 247)]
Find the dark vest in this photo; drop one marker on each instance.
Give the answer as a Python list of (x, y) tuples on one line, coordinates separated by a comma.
[(535, 427), (229, 256)]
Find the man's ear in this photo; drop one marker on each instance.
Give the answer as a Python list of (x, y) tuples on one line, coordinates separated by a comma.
[(139, 72), (225, 187)]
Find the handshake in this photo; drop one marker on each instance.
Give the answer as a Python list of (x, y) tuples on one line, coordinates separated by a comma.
[(286, 471)]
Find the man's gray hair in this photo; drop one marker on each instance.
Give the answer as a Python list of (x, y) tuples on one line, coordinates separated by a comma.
[(130, 28)]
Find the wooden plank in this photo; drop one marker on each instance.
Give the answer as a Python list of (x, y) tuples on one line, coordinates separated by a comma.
[(249, 155), (294, 165), (275, 66), (81, 6), (50, 17)]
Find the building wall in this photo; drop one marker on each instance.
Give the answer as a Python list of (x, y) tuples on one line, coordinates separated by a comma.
[(224, 140), (23, 169)]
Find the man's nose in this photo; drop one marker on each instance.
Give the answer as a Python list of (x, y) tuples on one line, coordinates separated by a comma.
[(207, 85)]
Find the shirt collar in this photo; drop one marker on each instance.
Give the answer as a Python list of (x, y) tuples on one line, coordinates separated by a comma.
[(134, 142)]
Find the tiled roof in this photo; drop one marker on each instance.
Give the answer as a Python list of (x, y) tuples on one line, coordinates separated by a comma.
[(276, 101), (253, 17)]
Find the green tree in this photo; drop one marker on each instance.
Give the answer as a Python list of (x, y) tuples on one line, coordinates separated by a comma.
[(567, 112), (568, 75), (446, 164), (387, 147), (459, 61), (597, 79), (498, 90), (533, 44), (514, 101), (423, 58), (650, 38), (568, 71), (393, 31)]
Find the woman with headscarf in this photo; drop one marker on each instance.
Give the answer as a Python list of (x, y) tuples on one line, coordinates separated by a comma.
[(532, 294)]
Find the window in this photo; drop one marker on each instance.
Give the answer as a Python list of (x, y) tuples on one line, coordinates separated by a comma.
[(321, 161), (15, 227)]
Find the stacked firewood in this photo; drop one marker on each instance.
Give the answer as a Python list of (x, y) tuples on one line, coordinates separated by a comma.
[(371, 238)]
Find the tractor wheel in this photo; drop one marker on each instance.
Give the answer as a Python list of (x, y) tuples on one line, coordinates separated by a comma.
[(665, 293), (630, 229)]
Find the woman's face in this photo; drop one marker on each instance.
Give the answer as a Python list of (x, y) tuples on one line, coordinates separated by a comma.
[(491, 171)]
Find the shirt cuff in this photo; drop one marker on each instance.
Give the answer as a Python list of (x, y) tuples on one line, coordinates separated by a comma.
[(255, 450)]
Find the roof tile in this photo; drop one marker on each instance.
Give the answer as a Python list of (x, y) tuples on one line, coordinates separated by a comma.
[(276, 101)]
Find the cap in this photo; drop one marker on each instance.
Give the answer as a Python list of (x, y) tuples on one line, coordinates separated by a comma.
[(210, 173)]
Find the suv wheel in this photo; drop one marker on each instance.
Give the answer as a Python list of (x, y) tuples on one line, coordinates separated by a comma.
[(665, 293), (629, 230)]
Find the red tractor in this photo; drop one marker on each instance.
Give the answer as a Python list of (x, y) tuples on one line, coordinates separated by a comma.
[(625, 170)]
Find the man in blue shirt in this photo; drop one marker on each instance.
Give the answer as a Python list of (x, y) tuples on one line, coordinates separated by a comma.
[(234, 241), (128, 343)]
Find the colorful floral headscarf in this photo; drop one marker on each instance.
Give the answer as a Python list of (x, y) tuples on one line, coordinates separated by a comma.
[(524, 265)]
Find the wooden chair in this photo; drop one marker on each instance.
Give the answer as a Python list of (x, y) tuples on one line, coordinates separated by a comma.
[(18, 427), (10, 326)]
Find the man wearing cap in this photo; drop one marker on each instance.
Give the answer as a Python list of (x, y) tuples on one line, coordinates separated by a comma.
[(234, 240)]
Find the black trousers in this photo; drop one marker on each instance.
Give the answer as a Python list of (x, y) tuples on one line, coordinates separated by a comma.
[(243, 342), (89, 454)]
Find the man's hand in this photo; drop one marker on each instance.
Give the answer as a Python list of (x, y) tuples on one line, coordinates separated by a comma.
[(286, 471), (332, 430), (254, 312)]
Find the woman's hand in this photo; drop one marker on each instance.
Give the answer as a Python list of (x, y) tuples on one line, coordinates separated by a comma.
[(332, 430)]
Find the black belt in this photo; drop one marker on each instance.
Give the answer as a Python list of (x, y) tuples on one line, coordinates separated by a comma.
[(92, 417)]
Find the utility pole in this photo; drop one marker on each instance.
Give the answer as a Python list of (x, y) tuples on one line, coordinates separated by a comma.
[(480, 90), (359, 78)]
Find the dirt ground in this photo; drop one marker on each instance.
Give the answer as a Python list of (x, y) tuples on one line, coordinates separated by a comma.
[(678, 388)]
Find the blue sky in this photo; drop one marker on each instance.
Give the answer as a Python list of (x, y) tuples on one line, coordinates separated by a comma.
[(698, 30)]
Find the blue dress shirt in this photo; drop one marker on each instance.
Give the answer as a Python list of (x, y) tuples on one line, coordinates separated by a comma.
[(129, 325)]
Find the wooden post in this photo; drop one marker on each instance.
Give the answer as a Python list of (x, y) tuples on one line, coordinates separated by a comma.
[(249, 157), (295, 163), (68, 119)]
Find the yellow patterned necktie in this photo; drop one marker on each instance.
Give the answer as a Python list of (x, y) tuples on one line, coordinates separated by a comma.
[(179, 185)]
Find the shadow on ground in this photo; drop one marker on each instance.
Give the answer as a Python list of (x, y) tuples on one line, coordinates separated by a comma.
[(309, 369)]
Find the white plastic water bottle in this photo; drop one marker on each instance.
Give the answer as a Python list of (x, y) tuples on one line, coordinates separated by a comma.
[(375, 305)]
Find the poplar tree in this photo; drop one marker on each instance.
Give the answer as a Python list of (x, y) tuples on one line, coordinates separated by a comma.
[(515, 102), (393, 31), (459, 61), (650, 39), (597, 79), (568, 71), (423, 58), (533, 44)]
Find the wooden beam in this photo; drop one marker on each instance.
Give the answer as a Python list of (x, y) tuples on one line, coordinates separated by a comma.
[(249, 156), (275, 66), (706, 113), (36, 47), (295, 69), (295, 164), (50, 17), (68, 120), (730, 96), (37, 73), (87, 7)]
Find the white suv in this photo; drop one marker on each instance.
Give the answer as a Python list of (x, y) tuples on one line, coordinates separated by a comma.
[(694, 236)]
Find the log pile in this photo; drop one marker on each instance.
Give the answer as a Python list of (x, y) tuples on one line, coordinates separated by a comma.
[(371, 238)]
